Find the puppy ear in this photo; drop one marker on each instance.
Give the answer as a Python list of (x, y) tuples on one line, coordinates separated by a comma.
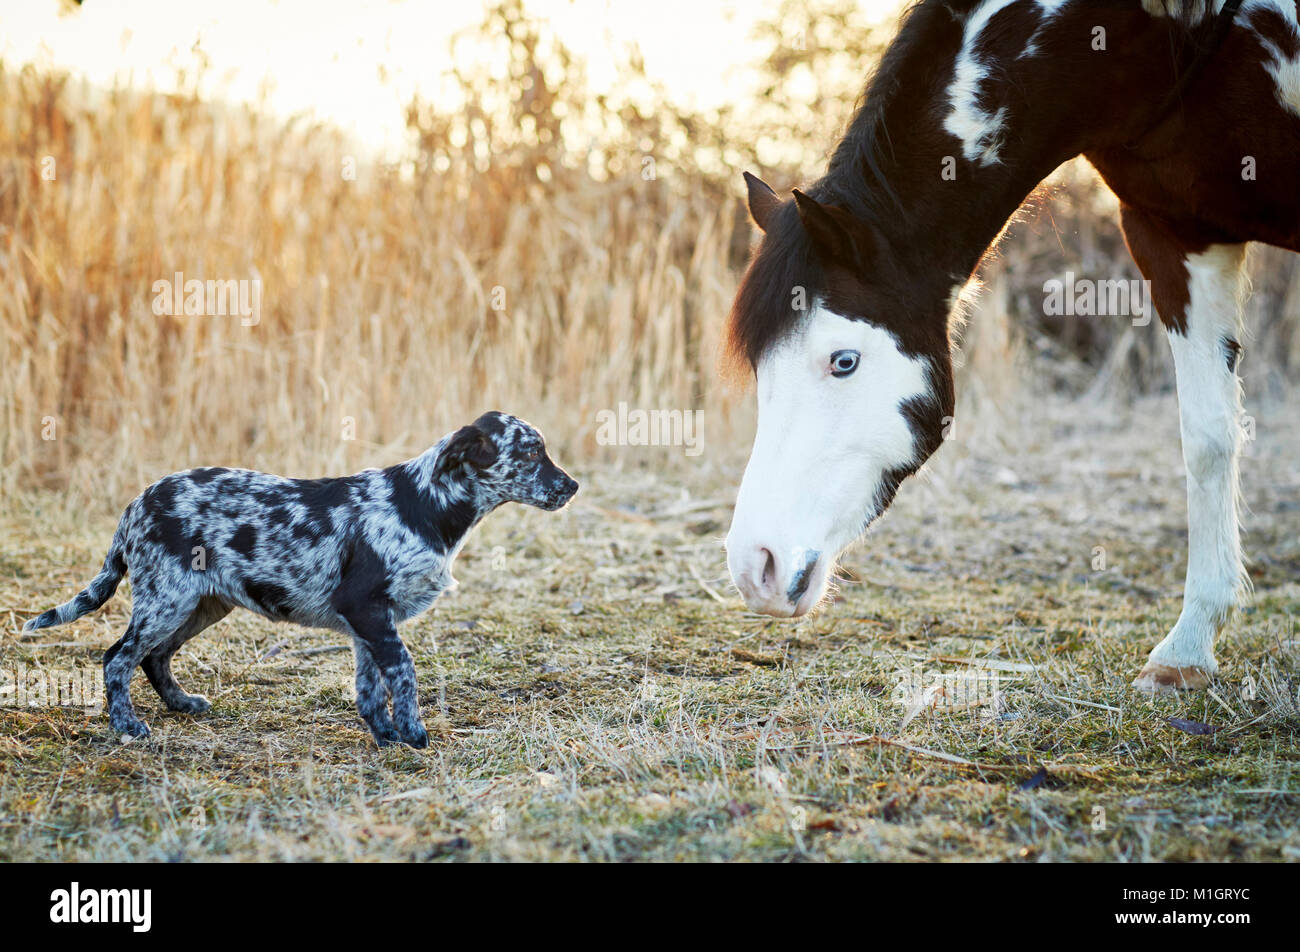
[(468, 446)]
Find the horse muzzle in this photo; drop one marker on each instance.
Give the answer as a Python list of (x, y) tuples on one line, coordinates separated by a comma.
[(782, 582)]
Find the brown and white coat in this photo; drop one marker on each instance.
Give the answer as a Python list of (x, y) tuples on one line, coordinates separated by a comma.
[(855, 388)]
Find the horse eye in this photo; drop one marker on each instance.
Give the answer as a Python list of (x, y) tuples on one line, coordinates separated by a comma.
[(844, 362)]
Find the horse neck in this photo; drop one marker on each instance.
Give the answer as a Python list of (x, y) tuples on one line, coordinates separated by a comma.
[(1013, 92)]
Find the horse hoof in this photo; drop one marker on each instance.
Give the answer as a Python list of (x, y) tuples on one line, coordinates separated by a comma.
[(1162, 678)]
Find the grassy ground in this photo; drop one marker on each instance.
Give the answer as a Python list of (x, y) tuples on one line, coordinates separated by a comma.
[(596, 693)]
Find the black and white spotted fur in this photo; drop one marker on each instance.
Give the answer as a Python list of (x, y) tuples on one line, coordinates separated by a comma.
[(357, 554)]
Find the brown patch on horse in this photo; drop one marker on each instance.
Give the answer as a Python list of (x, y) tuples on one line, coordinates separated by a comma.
[(1162, 261), (1188, 171)]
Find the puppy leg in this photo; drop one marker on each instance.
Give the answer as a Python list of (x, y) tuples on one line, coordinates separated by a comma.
[(117, 685), (406, 706), (373, 696), (157, 664), (153, 619), (375, 627)]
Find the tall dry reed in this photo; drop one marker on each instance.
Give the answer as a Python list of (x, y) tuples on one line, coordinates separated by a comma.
[(547, 249), (392, 308)]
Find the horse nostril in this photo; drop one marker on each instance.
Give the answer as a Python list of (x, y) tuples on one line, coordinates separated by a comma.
[(802, 578), (767, 581)]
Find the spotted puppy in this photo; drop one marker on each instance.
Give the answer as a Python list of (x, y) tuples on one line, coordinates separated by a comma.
[(357, 554)]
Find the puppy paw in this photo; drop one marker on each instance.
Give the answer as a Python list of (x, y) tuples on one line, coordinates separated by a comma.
[(384, 733), (415, 735), (130, 728), (191, 704)]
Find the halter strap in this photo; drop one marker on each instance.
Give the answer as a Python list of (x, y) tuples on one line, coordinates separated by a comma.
[(1223, 22)]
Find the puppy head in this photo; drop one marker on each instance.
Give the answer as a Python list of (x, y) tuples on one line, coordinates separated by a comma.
[(508, 461)]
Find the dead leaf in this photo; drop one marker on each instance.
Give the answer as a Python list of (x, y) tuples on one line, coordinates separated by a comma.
[(654, 803), (385, 830), (1034, 782), (418, 793), (1192, 727)]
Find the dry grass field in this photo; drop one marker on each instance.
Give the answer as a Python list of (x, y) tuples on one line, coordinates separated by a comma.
[(595, 694), (594, 687)]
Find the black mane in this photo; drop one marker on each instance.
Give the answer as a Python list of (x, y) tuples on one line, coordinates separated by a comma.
[(857, 177), (764, 302), (857, 180), (897, 116)]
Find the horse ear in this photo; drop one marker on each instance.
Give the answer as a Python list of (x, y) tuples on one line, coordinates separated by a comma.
[(762, 200), (829, 229)]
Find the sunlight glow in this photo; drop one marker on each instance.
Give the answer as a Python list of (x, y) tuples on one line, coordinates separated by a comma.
[(357, 64)]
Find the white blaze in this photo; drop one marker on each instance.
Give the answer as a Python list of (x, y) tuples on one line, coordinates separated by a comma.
[(821, 450)]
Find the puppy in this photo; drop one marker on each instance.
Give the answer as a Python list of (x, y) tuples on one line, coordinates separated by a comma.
[(357, 554)]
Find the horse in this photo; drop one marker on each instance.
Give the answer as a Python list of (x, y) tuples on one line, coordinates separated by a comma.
[(1190, 112)]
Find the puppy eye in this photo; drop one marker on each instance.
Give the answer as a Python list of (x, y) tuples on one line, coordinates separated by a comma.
[(844, 362), (533, 456)]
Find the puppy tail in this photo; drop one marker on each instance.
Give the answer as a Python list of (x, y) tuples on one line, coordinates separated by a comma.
[(95, 594)]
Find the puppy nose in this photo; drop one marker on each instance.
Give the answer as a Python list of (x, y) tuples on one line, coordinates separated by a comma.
[(570, 486)]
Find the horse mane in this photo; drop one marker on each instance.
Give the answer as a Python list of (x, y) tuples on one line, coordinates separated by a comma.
[(856, 180), (783, 262), (857, 177), (861, 155)]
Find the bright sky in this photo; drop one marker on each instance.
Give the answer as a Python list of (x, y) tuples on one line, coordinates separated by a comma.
[(357, 62)]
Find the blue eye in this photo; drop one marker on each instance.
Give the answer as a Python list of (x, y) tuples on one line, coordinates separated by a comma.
[(844, 362)]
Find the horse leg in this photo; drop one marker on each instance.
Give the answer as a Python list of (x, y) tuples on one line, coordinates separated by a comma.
[(1205, 345)]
